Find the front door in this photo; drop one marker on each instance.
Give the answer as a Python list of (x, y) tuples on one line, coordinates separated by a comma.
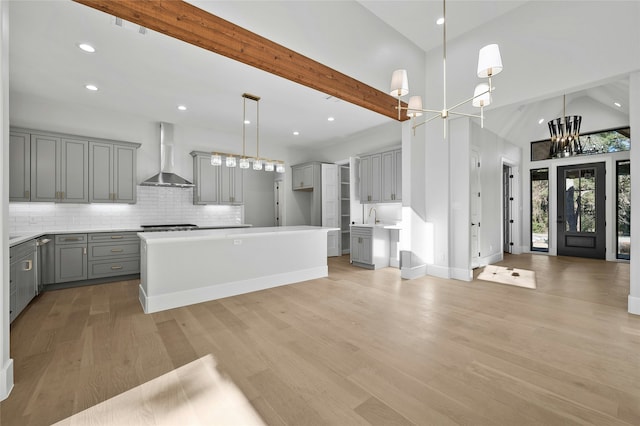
[(581, 210)]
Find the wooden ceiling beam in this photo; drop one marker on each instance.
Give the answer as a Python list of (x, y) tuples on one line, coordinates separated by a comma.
[(190, 24)]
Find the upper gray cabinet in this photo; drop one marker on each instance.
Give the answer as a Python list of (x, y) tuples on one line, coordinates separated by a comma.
[(216, 184), (20, 166), (381, 177), (113, 172), (59, 169)]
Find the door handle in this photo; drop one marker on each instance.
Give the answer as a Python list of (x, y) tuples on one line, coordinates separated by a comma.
[(473, 224)]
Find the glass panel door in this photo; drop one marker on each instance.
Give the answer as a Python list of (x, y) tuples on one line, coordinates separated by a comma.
[(581, 210), (623, 209), (540, 209)]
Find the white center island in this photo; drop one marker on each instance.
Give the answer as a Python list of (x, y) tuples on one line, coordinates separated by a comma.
[(186, 267)]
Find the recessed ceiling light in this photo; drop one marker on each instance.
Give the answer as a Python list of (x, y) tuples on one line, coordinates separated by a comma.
[(330, 119), (296, 133), (247, 122), (91, 87), (87, 47), (440, 21), (182, 107), (541, 121), (617, 104)]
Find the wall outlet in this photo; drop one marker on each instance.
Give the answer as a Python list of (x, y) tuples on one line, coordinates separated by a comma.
[(237, 242)]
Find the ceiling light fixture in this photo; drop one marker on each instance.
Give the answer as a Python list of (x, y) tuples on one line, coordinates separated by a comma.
[(330, 119), (489, 65), (182, 107), (618, 104), (541, 120), (87, 47), (565, 134), (91, 87), (244, 161), (296, 133), (440, 21)]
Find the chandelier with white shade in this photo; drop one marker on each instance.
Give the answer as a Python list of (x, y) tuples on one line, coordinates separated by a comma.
[(489, 65)]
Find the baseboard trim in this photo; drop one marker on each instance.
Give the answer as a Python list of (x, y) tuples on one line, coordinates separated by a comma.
[(461, 274), (178, 299), (6, 379), (410, 273), (438, 271), (634, 305)]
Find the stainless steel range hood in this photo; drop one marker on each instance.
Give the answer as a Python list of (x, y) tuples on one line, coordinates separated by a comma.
[(166, 177)]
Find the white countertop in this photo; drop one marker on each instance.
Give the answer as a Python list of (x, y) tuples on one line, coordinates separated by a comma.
[(377, 225), (21, 237), (210, 234)]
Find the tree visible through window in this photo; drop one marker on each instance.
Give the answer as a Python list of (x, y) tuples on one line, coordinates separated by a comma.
[(540, 209)]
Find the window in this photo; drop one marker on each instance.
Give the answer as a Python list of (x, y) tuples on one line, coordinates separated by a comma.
[(592, 143), (623, 209), (540, 210)]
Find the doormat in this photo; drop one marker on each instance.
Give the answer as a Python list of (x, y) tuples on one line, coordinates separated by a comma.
[(507, 275)]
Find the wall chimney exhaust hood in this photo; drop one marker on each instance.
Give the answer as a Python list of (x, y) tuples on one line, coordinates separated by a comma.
[(166, 177)]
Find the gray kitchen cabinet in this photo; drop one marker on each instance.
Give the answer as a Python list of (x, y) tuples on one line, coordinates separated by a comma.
[(302, 177), (59, 169), (70, 257), (113, 254), (370, 246), (391, 176), (205, 179), (113, 172), (381, 177), (370, 178), (216, 184), (231, 185), (23, 278), (20, 166)]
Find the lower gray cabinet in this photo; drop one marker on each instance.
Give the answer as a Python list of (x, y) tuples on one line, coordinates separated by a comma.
[(71, 257), (369, 246), (23, 280), (113, 254)]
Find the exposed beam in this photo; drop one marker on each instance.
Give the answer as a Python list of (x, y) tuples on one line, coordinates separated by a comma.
[(190, 24)]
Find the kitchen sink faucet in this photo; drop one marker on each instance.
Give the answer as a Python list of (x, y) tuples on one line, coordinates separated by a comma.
[(375, 215)]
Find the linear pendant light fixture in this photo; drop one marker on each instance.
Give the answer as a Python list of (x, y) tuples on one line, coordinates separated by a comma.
[(565, 134), (244, 161), (489, 65)]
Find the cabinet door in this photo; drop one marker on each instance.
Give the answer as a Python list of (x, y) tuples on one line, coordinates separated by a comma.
[(71, 262), (388, 176), (302, 177), (45, 161), (101, 175), (397, 159), (356, 248), (74, 171), (206, 179), (365, 180), (366, 250), (124, 174), (19, 167), (26, 284), (376, 178), (231, 191)]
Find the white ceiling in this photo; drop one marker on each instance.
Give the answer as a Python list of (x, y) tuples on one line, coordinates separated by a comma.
[(149, 75)]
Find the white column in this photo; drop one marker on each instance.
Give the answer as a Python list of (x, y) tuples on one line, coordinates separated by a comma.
[(6, 363), (634, 122)]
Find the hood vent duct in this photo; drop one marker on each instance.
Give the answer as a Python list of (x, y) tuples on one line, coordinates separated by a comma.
[(166, 177)]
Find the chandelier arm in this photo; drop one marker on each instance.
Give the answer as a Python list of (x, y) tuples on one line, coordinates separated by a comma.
[(422, 110), (465, 115), (427, 120)]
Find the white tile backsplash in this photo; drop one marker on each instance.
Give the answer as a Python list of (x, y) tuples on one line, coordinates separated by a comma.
[(156, 205)]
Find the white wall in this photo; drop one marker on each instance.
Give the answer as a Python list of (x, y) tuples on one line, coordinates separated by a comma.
[(6, 363)]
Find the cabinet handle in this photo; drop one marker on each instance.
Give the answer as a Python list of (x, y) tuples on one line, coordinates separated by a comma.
[(116, 250), (29, 265), (84, 250), (72, 239), (116, 237), (27, 194), (62, 195), (115, 267)]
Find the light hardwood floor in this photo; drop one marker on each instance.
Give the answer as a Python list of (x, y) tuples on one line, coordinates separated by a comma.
[(358, 347)]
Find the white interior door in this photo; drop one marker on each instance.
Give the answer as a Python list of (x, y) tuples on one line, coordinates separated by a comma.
[(331, 206), (476, 205)]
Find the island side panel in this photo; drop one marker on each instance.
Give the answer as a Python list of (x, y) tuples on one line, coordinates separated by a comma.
[(182, 271)]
